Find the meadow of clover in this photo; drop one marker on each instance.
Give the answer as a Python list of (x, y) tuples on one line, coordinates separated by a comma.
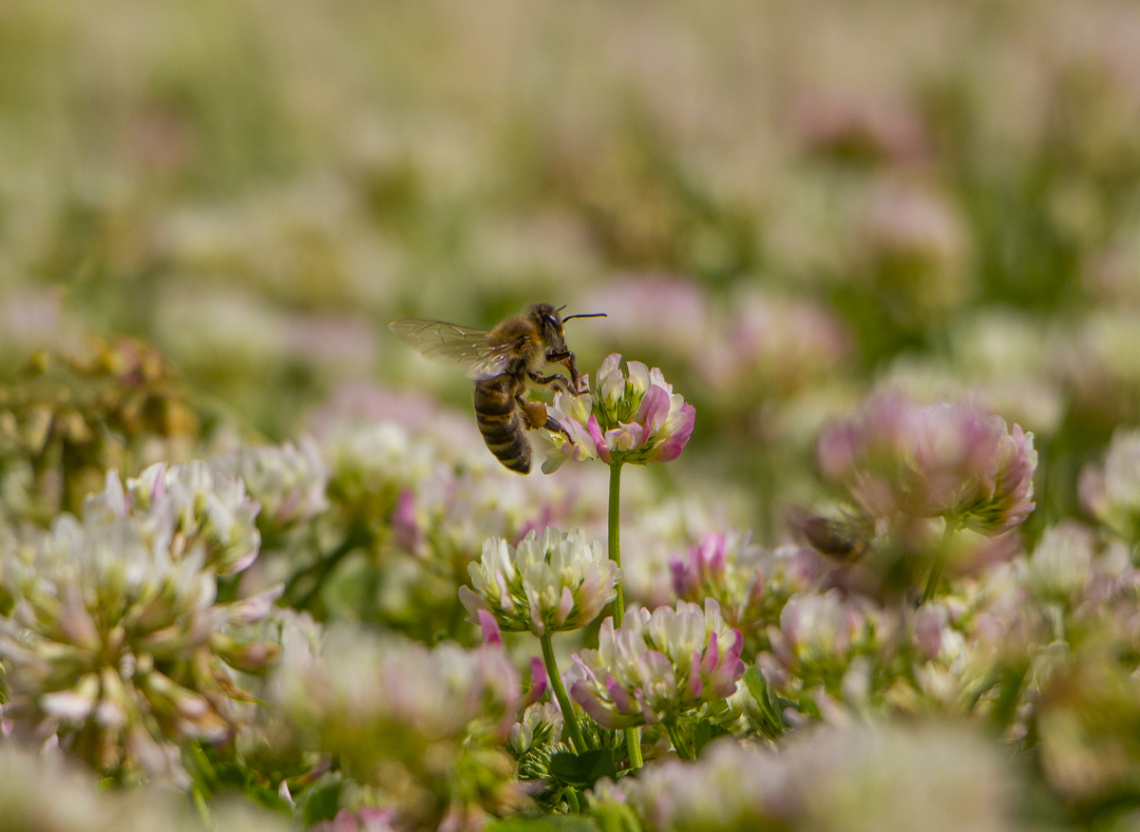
[(844, 536)]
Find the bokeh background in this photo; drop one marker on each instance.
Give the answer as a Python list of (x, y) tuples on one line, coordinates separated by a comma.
[(782, 204)]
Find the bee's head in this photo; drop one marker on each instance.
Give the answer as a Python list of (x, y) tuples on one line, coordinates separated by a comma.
[(545, 317)]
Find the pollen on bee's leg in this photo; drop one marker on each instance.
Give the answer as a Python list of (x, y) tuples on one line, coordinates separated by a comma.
[(535, 413), (538, 417)]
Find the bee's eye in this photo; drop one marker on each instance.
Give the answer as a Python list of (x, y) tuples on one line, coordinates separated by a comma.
[(549, 320)]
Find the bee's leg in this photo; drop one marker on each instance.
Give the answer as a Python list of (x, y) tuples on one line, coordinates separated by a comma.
[(555, 380), (566, 357), (537, 417), (572, 365)]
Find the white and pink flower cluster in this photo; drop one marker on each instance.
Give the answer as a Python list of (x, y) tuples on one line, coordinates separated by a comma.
[(625, 418), (1111, 493), (117, 644), (901, 460), (658, 666), (549, 583)]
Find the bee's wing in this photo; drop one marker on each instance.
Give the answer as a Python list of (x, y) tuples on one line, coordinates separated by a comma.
[(463, 345)]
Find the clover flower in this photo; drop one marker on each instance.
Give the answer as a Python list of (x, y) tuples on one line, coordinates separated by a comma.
[(1112, 494), (424, 727), (658, 666), (1062, 563), (899, 460), (818, 639), (837, 779), (208, 506), (74, 416), (441, 524), (725, 567), (288, 480), (424, 509), (40, 792), (1084, 720), (116, 643), (770, 348), (539, 725), (635, 418), (546, 584), (370, 464)]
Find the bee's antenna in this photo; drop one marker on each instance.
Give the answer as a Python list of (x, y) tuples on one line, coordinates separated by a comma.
[(591, 315), (560, 308)]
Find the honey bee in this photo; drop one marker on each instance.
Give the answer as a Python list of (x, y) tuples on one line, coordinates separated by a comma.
[(504, 362), (844, 540)]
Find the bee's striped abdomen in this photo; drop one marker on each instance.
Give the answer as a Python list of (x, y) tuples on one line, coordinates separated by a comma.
[(501, 423)]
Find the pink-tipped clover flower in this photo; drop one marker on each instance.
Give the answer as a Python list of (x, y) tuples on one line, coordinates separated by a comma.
[(899, 459), (625, 418), (658, 666)]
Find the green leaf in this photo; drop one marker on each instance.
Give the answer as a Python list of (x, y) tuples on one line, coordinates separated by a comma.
[(270, 799), (583, 770), (770, 706), (550, 823), (229, 774), (702, 734), (322, 802), (705, 732), (754, 680)]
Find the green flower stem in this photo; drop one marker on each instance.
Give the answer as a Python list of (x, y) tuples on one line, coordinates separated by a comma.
[(939, 564), (320, 570), (632, 735), (679, 744), (614, 533), (568, 717), (633, 748)]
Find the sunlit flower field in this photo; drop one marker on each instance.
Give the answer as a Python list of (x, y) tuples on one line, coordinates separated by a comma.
[(833, 520)]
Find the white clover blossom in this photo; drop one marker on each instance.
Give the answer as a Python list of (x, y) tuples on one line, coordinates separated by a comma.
[(549, 583), (635, 418), (421, 725), (724, 566), (1061, 566), (115, 642), (369, 465), (43, 792), (1112, 494), (207, 505), (836, 779), (369, 456), (288, 480), (829, 645), (541, 724), (818, 628), (360, 688), (899, 459), (772, 345), (658, 666)]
